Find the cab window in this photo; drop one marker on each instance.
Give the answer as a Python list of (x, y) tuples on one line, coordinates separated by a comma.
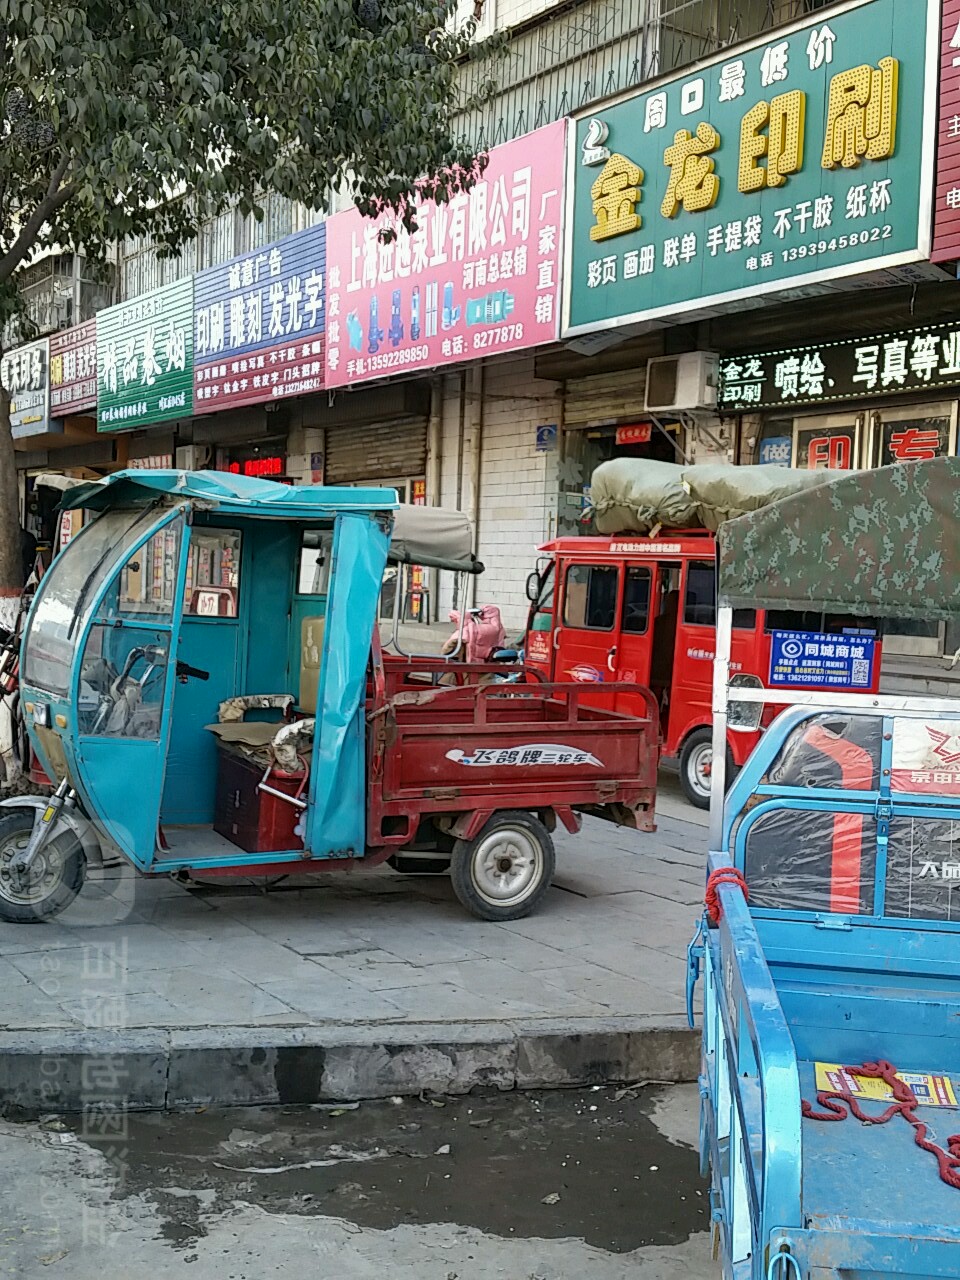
[(636, 601), (541, 618), (700, 600), (590, 597), (213, 574), (316, 554)]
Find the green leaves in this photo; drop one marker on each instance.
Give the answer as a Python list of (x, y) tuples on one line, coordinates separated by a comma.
[(220, 102)]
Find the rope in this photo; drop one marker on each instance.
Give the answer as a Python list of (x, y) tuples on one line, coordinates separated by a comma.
[(722, 875), (840, 1103)]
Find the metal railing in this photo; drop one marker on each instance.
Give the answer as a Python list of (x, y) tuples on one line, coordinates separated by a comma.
[(594, 48)]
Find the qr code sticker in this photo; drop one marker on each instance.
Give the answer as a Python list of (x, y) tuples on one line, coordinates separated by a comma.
[(861, 671)]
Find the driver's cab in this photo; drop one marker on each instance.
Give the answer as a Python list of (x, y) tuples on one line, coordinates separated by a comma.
[(189, 594)]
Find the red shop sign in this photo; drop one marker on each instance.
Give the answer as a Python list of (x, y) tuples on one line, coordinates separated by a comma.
[(639, 433)]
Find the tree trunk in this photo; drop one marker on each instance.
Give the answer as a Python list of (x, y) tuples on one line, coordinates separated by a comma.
[(11, 547)]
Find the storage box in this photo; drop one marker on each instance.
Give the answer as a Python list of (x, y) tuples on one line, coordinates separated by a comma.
[(251, 819)]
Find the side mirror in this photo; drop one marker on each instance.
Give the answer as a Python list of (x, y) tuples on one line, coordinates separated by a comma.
[(743, 717), (533, 587)]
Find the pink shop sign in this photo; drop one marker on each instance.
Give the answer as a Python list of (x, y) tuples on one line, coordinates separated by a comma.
[(480, 276)]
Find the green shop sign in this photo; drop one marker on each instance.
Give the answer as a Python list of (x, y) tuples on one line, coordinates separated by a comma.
[(145, 359), (774, 167)]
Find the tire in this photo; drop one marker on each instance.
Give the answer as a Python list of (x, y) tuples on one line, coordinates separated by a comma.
[(504, 872), (56, 876), (696, 761)]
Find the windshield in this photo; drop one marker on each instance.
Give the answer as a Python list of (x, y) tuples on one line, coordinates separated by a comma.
[(67, 593), (541, 614)]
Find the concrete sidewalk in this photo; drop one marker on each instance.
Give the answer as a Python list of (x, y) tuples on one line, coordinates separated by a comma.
[(359, 985)]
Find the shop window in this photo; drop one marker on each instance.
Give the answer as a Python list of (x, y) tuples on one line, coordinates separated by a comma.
[(636, 601), (213, 574), (590, 597), (773, 446), (832, 442)]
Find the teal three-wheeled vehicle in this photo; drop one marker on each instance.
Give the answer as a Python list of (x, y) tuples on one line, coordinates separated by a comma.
[(203, 678)]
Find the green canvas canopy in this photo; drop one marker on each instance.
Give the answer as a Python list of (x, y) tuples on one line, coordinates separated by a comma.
[(883, 543)]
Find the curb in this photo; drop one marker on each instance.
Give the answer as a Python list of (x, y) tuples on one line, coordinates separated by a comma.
[(243, 1066)]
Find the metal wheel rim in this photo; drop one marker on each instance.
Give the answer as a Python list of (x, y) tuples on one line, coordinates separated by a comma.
[(43, 878), (507, 866), (700, 768)]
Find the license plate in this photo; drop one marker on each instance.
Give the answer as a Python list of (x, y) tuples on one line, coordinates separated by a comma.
[(41, 715)]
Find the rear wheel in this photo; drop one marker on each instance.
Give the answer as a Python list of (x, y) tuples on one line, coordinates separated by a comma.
[(54, 879), (504, 872), (696, 767)]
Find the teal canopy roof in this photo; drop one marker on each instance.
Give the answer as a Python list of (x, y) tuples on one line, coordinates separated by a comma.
[(883, 543), (428, 536), (227, 492)]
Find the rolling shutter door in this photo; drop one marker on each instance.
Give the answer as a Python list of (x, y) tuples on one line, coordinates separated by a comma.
[(382, 451), (605, 398)]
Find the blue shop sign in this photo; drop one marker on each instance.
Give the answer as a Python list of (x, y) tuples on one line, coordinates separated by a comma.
[(822, 661), (776, 452), (259, 323)]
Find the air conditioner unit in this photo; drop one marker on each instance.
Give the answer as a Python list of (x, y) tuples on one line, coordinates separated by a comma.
[(685, 382), (192, 457)]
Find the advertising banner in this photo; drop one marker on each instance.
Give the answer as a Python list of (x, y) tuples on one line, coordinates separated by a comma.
[(920, 359), (73, 370), (822, 661), (772, 168), (258, 324), (479, 277), (26, 375), (926, 757), (145, 359)]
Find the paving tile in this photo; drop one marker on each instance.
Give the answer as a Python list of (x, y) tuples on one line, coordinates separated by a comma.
[(324, 997), (516, 994), (608, 941), (254, 959), (214, 998), (377, 971), (442, 1002)]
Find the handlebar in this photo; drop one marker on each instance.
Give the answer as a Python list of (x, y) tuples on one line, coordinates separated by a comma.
[(186, 672)]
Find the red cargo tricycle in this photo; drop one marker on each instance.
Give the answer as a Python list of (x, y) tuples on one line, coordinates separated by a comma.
[(273, 737)]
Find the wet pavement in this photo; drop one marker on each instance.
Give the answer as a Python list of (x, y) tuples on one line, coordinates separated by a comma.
[(598, 1183)]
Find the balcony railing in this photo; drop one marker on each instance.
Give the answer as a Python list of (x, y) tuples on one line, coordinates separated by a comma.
[(595, 48)]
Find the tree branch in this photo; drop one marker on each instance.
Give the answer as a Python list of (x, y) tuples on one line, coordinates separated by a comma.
[(54, 198)]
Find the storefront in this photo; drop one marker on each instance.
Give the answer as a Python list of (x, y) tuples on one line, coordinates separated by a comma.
[(265, 459), (855, 403)]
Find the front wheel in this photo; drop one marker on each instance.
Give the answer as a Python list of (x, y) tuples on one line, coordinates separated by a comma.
[(504, 872), (54, 879), (696, 767)]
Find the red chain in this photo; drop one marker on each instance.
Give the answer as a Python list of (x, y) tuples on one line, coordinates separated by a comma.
[(722, 875), (840, 1103)]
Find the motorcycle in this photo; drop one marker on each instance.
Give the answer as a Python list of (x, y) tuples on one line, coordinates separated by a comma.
[(478, 637)]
